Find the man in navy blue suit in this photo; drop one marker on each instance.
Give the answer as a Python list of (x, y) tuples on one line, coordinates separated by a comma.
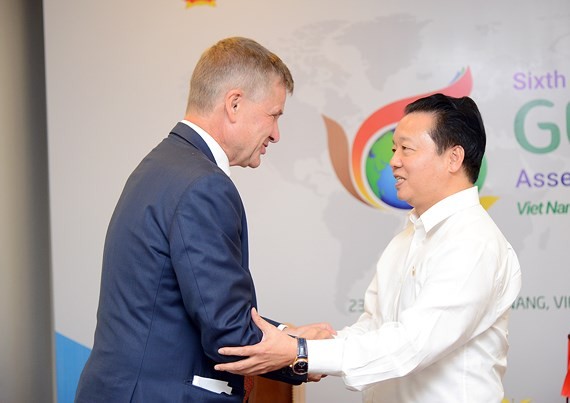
[(176, 284)]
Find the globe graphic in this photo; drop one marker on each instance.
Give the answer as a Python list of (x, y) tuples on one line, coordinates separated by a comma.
[(379, 172), (482, 174)]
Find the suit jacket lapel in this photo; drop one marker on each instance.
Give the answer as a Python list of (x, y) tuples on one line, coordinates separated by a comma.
[(188, 134)]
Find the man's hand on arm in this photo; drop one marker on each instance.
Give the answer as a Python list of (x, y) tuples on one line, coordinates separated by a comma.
[(275, 350)]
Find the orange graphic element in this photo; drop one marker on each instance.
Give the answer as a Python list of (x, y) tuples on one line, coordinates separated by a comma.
[(339, 151), (190, 3)]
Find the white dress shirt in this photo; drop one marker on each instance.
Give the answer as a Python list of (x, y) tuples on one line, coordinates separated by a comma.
[(434, 327), (219, 154)]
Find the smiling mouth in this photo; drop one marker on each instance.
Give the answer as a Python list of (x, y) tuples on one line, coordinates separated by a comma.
[(399, 180)]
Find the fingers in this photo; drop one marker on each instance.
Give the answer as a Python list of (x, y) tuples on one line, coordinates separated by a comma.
[(317, 333), (315, 377), (244, 351), (275, 350), (261, 323), (323, 325), (230, 366), (328, 326), (243, 367), (249, 366), (313, 333)]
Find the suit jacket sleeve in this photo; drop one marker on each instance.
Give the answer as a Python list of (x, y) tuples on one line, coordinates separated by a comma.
[(210, 261), (206, 250)]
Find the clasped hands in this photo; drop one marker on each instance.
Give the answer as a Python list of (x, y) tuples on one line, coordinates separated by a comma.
[(275, 350)]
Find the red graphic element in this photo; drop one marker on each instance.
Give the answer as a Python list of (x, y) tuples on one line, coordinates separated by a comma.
[(190, 3), (566, 386)]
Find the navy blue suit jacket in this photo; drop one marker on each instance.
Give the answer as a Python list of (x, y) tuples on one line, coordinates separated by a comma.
[(175, 284)]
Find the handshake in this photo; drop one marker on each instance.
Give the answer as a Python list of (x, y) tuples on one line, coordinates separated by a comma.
[(277, 349)]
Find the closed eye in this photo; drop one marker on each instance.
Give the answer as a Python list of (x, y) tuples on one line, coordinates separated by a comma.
[(276, 114)]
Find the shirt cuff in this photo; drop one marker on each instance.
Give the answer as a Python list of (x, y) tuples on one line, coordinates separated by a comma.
[(325, 356)]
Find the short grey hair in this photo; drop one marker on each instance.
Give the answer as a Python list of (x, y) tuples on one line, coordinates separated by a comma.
[(235, 63)]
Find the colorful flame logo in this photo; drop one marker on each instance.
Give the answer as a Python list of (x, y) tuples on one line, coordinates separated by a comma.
[(365, 171), (190, 3)]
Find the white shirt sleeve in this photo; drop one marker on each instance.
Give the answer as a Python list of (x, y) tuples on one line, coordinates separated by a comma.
[(455, 300)]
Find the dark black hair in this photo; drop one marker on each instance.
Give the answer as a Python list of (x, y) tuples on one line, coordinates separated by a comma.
[(457, 122)]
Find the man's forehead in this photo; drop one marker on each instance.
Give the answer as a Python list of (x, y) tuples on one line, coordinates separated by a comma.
[(413, 124)]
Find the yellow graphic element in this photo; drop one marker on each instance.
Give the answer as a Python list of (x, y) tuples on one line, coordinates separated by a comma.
[(487, 202), (512, 401), (190, 3)]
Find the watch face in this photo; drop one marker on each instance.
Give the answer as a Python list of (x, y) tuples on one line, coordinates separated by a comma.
[(301, 367)]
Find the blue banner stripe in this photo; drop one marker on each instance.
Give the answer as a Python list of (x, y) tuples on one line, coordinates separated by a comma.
[(70, 358)]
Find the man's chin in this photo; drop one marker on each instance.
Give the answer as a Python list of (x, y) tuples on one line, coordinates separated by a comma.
[(254, 164), (402, 196)]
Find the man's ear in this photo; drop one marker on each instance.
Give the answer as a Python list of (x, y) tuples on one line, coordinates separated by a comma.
[(232, 103), (456, 156)]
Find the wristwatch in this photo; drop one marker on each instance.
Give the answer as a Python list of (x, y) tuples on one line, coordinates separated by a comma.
[(301, 364)]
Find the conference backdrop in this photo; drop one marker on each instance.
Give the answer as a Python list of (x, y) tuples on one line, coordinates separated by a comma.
[(321, 207)]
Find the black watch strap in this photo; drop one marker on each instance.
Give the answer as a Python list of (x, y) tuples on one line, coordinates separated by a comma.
[(301, 364), (302, 348)]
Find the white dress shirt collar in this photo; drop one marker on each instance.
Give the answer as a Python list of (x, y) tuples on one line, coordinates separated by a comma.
[(446, 208), (219, 154)]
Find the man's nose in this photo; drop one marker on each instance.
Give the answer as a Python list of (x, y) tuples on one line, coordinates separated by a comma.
[(395, 160), (275, 136)]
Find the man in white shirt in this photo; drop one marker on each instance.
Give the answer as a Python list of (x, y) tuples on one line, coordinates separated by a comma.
[(434, 327)]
